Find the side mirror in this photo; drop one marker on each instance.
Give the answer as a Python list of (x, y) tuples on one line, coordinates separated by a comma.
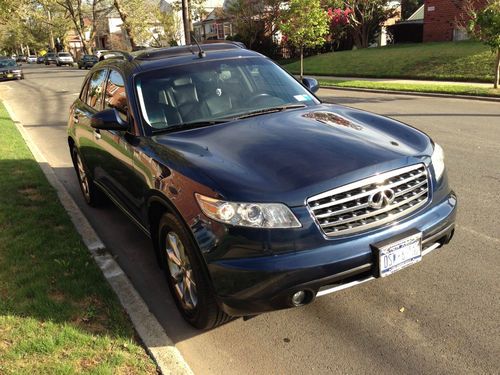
[(311, 84), (109, 119)]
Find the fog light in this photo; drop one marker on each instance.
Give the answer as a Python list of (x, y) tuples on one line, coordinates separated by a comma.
[(298, 298)]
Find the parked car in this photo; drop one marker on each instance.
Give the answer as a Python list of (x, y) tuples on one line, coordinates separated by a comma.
[(40, 59), (32, 59), (10, 69), (50, 58), (256, 195), (21, 58), (65, 58), (87, 61)]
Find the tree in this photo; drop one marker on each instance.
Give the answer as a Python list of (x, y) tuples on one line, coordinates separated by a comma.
[(26, 23), (304, 24), (140, 19), (254, 17), (122, 9), (78, 11), (485, 25), (408, 7), (366, 17)]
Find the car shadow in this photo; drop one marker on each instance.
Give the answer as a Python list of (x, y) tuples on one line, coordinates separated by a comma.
[(133, 251)]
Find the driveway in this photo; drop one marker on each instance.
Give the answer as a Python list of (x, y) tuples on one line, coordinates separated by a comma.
[(440, 316)]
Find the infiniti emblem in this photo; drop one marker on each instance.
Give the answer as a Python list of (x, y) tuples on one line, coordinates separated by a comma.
[(381, 198)]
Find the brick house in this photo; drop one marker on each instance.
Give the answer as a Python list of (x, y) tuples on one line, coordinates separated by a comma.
[(443, 18)]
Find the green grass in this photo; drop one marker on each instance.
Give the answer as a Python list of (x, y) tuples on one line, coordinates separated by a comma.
[(58, 315), (458, 61), (414, 87)]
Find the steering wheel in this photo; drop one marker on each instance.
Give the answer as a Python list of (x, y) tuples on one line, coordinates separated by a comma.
[(255, 99)]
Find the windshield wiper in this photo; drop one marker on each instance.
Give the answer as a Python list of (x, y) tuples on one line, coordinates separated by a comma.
[(190, 125), (263, 111)]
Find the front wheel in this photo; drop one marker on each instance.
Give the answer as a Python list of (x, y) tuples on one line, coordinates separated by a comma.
[(186, 278)]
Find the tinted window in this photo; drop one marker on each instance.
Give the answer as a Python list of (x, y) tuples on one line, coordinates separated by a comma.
[(115, 96), (94, 94), (64, 54)]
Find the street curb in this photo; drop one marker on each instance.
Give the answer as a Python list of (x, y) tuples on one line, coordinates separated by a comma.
[(428, 94), (160, 347)]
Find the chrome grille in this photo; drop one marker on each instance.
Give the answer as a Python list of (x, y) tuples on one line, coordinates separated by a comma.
[(353, 208)]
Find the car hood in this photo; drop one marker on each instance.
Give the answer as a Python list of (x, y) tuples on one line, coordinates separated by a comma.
[(291, 155), (9, 68)]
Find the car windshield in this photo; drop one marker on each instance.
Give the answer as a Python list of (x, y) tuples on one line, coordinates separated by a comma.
[(50, 55), (89, 57), (7, 62), (64, 54), (207, 92)]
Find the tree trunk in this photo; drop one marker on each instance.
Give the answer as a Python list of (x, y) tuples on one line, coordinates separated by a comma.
[(186, 22), (497, 70), (126, 25), (301, 63)]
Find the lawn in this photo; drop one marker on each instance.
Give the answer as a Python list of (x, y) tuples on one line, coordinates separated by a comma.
[(414, 87), (58, 315), (458, 61)]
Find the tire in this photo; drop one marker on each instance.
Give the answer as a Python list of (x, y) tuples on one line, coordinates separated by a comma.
[(91, 193), (187, 280)]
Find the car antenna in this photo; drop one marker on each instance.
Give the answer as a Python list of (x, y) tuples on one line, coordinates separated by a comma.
[(201, 53)]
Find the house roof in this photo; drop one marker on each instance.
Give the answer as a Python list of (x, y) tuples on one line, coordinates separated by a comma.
[(418, 15)]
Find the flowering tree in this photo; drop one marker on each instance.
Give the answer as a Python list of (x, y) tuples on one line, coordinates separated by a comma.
[(485, 25), (365, 17), (339, 22), (304, 24)]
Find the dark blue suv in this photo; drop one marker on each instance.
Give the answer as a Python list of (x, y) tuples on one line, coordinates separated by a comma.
[(255, 194)]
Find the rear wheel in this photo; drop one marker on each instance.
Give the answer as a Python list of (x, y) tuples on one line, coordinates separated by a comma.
[(186, 278), (91, 193)]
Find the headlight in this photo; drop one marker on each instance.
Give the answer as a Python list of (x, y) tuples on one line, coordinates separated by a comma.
[(438, 161), (257, 215)]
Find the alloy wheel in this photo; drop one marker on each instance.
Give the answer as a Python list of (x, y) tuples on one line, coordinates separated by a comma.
[(84, 181), (181, 272)]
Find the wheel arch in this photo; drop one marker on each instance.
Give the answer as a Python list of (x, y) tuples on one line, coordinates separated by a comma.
[(158, 205)]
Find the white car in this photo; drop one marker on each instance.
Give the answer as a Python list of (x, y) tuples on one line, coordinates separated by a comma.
[(31, 59), (64, 58)]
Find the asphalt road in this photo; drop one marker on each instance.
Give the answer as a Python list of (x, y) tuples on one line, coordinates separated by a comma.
[(451, 300)]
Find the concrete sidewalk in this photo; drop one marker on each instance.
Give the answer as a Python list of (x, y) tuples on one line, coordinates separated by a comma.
[(405, 81)]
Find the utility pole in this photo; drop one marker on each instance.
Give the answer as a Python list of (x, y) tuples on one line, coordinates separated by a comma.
[(186, 20)]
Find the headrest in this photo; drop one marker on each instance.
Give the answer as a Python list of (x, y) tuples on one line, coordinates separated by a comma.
[(185, 94), (182, 81)]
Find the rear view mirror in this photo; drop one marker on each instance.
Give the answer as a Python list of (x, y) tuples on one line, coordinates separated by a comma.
[(311, 84), (109, 119)]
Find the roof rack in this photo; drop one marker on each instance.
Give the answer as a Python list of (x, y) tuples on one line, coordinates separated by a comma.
[(156, 53)]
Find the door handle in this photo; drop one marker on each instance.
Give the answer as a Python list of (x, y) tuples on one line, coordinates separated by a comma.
[(97, 134)]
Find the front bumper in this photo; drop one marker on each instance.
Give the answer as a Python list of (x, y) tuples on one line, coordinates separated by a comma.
[(11, 75), (249, 286)]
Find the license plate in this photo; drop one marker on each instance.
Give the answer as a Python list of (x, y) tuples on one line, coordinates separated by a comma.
[(400, 254)]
